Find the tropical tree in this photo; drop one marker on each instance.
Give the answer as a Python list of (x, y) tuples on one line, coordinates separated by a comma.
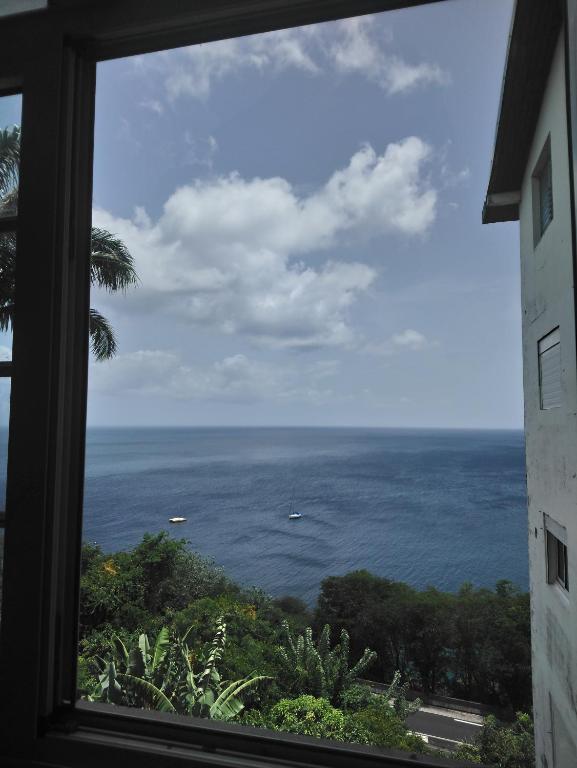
[(367, 718), (111, 265), (163, 677), (318, 669), (503, 745)]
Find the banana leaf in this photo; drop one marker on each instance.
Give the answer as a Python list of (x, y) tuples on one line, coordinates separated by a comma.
[(146, 694)]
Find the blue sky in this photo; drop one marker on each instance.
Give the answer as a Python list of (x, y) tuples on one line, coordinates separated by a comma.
[(304, 212)]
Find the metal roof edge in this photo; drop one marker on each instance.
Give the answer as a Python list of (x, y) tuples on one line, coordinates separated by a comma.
[(534, 32)]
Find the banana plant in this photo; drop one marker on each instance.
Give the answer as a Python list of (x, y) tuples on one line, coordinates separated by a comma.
[(163, 676), (320, 670)]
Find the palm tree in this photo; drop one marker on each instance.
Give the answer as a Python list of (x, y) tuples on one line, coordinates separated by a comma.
[(111, 265)]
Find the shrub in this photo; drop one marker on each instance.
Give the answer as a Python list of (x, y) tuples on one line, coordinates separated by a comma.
[(318, 669), (308, 716), (133, 589), (172, 677), (384, 728), (504, 745)]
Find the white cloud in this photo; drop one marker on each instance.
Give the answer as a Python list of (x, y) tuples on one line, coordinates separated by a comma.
[(354, 46), (228, 253), (161, 373), (125, 134), (409, 339), (154, 105), (357, 49), (199, 151)]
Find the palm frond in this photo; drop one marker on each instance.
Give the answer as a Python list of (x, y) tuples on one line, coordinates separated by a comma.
[(9, 203), (7, 279), (102, 338), (9, 160), (111, 265)]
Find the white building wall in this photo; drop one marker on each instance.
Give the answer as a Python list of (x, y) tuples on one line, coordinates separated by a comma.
[(548, 301)]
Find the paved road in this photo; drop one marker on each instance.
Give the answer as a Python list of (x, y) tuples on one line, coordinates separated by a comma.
[(443, 731)]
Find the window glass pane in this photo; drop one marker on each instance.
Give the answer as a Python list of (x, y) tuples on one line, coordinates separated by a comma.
[(10, 115), (275, 259), (4, 420), (1, 567), (12, 7), (546, 195), (561, 561), (7, 293)]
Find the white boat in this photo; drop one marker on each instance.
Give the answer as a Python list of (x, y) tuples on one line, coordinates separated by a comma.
[(177, 519), (292, 514)]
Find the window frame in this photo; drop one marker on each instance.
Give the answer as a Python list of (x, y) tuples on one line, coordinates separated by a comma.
[(51, 58), (8, 224), (544, 166), (556, 554), (547, 343)]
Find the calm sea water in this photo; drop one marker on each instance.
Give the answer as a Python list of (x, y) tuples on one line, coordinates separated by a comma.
[(426, 507)]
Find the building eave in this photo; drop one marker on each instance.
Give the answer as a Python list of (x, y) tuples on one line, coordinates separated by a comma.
[(535, 29)]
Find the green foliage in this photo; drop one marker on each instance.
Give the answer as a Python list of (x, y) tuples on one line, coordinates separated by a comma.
[(504, 745), (294, 610), (396, 695), (318, 669), (7, 275), (253, 634), (384, 728), (376, 724), (102, 336), (171, 677), (308, 716), (111, 265), (9, 169), (474, 645), (382, 716), (136, 590)]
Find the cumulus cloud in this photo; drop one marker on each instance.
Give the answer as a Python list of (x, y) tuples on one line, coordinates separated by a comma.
[(229, 252), (233, 379), (354, 46), (358, 50)]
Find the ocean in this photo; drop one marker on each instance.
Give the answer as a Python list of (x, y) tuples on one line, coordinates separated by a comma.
[(428, 507)]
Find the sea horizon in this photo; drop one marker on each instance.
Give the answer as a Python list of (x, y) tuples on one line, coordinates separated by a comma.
[(303, 426), (426, 506)]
